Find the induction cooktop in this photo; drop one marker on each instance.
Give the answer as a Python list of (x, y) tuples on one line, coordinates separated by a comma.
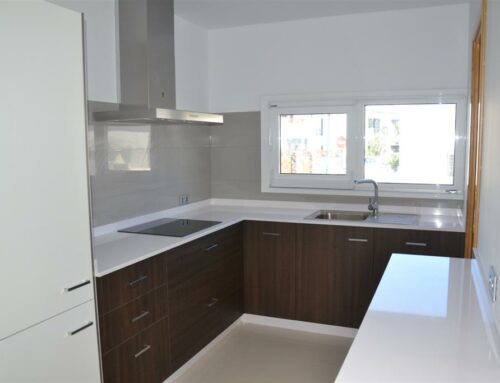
[(170, 227)]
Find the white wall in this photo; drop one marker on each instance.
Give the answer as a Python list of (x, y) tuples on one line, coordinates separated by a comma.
[(191, 66), (100, 38), (489, 239), (398, 50)]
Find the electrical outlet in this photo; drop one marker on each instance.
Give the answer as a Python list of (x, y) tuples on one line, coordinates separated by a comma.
[(493, 283), (183, 199)]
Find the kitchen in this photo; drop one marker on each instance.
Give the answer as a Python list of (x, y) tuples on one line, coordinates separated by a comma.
[(233, 243)]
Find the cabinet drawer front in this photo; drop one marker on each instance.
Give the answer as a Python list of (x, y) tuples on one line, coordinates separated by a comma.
[(122, 286), (144, 358), (61, 349), (185, 344), (188, 260), (202, 293), (130, 319)]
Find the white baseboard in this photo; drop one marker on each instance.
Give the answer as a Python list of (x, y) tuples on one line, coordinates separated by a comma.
[(296, 325)]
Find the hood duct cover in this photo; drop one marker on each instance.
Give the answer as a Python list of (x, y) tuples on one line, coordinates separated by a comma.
[(147, 67)]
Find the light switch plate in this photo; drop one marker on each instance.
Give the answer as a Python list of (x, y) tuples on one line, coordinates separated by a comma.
[(493, 283)]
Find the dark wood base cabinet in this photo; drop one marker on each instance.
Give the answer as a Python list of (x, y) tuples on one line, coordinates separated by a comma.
[(327, 273), (157, 314)]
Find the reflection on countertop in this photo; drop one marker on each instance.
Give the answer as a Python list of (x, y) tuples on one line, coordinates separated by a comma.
[(430, 320)]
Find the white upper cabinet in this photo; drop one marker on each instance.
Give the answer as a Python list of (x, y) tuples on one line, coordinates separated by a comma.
[(45, 239)]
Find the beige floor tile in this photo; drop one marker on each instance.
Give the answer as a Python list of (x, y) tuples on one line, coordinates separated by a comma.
[(261, 354)]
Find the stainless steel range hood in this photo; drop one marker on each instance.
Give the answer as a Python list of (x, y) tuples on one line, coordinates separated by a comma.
[(147, 68), (158, 116)]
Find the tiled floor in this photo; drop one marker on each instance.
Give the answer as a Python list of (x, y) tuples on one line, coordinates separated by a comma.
[(256, 354)]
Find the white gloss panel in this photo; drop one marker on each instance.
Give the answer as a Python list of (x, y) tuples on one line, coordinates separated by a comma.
[(426, 322), (50, 354), (44, 222)]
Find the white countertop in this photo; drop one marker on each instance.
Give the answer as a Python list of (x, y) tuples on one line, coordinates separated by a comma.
[(113, 250), (429, 320)]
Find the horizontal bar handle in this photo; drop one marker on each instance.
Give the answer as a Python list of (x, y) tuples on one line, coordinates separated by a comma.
[(212, 246), (86, 325), (271, 234), (84, 283), (142, 278), (213, 302), (140, 316), (419, 244), (358, 240), (145, 349)]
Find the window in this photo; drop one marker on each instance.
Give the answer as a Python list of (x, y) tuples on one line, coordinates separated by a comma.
[(413, 144), (313, 143), (407, 143)]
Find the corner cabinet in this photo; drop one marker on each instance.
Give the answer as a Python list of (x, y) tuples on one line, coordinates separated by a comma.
[(158, 313), (270, 268)]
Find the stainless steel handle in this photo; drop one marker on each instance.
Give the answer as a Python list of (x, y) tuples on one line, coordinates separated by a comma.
[(140, 316), (213, 302), (419, 244), (86, 325), (357, 240), (271, 234), (145, 349), (142, 278), (84, 283), (212, 246)]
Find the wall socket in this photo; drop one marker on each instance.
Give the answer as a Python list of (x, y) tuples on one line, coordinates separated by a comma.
[(493, 284), (183, 199)]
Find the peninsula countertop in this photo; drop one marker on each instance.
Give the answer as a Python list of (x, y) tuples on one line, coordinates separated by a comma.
[(429, 321), (114, 250)]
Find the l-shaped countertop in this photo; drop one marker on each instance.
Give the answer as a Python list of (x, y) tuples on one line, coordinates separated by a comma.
[(113, 250)]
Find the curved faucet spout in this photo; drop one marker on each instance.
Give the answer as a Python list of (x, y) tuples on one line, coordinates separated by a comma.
[(373, 202)]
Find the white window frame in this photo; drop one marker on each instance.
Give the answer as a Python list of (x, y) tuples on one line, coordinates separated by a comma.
[(354, 105)]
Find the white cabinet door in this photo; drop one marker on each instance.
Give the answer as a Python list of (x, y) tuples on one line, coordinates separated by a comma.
[(48, 352), (44, 207)]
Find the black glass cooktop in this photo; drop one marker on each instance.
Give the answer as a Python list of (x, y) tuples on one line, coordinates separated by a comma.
[(170, 227)]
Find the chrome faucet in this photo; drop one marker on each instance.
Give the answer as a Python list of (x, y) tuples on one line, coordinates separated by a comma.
[(372, 202)]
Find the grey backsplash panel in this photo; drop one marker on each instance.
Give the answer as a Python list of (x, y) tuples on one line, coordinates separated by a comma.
[(236, 167), (179, 162), (218, 162)]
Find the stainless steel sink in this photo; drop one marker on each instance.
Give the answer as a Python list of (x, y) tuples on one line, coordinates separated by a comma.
[(343, 215), (340, 215)]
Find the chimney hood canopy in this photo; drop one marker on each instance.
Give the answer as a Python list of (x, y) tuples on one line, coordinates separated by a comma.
[(158, 116), (147, 67)]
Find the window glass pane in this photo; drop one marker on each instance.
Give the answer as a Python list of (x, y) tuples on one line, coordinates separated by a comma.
[(410, 143), (313, 143), (129, 148)]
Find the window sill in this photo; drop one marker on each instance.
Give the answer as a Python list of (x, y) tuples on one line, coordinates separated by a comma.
[(420, 194)]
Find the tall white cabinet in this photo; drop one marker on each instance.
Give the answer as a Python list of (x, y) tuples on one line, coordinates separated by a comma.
[(48, 326)]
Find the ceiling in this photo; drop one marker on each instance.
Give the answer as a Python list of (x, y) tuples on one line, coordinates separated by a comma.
[(214, 14)]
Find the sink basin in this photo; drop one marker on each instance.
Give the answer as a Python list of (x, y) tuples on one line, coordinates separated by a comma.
[(386, 218), (340, 215)]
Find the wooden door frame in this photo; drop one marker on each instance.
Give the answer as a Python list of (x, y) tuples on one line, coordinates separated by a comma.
[(476, 135)]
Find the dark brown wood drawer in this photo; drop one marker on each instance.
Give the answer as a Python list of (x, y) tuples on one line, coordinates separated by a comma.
[(198, 296), (185, 344), (142, 359), (194, 257), (436, 243), (131, 282), (130, 319)]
